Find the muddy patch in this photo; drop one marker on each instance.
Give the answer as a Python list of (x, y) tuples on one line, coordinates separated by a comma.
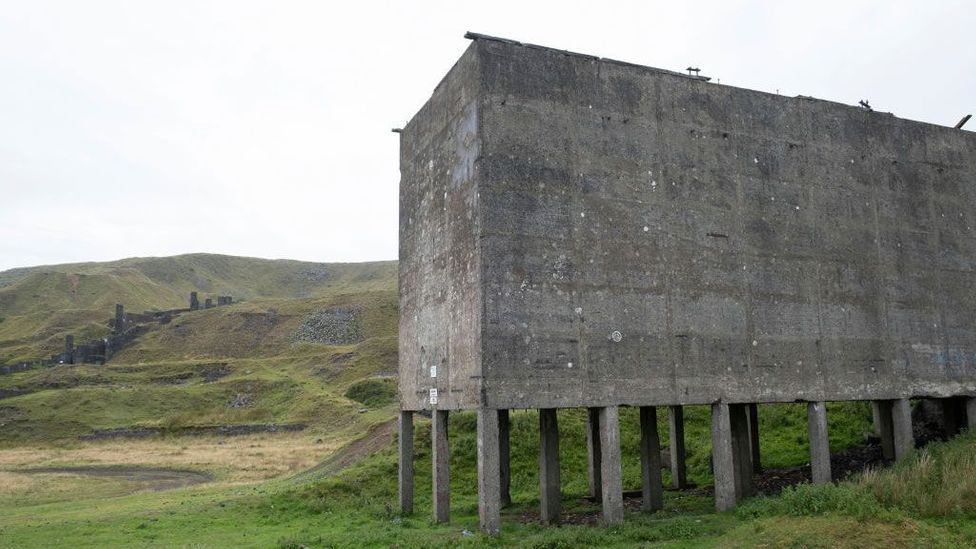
[(152, 479), (197, 430)]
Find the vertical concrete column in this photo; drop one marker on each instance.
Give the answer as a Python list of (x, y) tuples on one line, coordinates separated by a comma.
[(489, 474), (739, 416), (650, 452), (971, 413), (876, 417), (819, 443), (901, 424), (440, 456), (505, 457), (753, 410), (194, 301), (676, 442), (723, 457), (405, 442), (884, 427), (549, 466), (610, 471), (593, 451)]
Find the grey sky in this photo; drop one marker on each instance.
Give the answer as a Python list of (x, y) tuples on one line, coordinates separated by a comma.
[(263, 128)]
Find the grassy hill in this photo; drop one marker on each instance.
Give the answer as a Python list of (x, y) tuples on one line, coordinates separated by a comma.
[(40, 305), (302, 336)]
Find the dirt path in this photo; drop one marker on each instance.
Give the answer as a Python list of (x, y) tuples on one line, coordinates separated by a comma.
[(375, 440), (154, 479)]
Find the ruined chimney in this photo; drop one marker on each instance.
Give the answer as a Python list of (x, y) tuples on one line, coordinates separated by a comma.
[(119, 318), (69, 349), (194, 302)]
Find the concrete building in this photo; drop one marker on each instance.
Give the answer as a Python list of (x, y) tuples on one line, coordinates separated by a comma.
[(194, 301), (581, 232)]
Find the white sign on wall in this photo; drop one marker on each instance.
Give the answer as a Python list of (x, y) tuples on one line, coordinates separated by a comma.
[(433, 396)]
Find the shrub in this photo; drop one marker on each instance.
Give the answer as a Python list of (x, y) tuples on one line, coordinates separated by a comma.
[(373, 392)]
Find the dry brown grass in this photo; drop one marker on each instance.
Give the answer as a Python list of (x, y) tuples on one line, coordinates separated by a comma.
[(233, 460)]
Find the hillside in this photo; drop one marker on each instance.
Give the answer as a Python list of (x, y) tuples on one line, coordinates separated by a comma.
[(303, 336), (40, 305)]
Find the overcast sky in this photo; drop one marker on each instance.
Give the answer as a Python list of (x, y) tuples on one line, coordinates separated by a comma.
[(263, 128)]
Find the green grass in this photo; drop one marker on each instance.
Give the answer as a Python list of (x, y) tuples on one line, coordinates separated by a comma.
[(357, 508)]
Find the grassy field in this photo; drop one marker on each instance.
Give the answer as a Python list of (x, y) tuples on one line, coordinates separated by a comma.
[(270, 360)]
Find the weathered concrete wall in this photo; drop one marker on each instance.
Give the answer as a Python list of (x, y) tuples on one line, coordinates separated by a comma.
[(439, 270), (648, 238)]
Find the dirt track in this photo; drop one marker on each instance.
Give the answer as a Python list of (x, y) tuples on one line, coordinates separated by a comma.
[(154, 479)]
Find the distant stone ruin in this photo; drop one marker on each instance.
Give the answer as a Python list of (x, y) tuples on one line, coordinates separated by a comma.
[(125, 328)]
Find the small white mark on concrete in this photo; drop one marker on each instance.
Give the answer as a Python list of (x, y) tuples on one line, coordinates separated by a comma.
[(433, 370), (616, 336), (755, 160), (579, 310), (754, 343), (646, 228), (569, 365), (582, 214)]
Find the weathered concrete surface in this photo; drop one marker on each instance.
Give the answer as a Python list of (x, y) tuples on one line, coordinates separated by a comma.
[(440, 466), (676, 441), (405, 443), (549, 483), (505, 457), (723, 458), (582, 232), (901, 426), (652, 490), (819, 442), (884, 428), (489, 474), (610, 468)]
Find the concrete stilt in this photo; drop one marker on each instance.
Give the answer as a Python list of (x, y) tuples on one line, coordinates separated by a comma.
[(676, 442), (610, 471), (504, 457), (440, 455), (819, 443), (971, 413), (901, 424), (884, 427), (876, 417), (489, 474), (650, 453), (753, 410), (593, 450), (723, 457), (739, 415), (406, 462), (549, 466)]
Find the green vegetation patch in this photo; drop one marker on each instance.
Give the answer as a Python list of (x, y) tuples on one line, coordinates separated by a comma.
[(373, 392)]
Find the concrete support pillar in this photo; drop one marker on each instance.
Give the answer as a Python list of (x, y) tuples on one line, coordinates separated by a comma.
[(819, 443), (489, 474), (610, 471), (971, 413), (440, 456), (731, 454), (650, 452), (194, 301), (901, 424), (876, 417), (883, 427), (753, 411), (739, 414), (593, 451), (505, 457), (549, 466), (723, 457), (676, 435), (405, 442)]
